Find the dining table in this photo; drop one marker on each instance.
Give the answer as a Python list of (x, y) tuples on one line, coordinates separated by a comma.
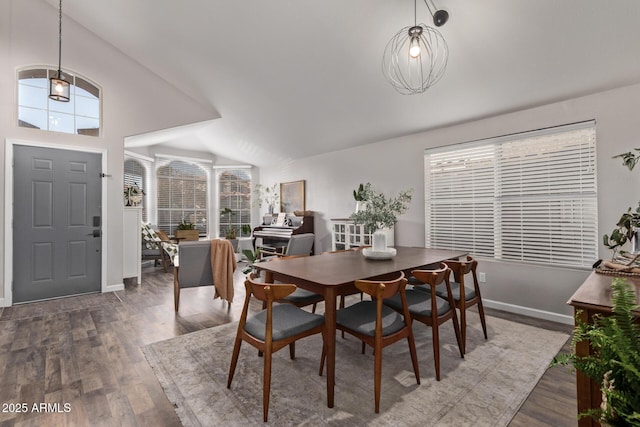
[(334, 274)]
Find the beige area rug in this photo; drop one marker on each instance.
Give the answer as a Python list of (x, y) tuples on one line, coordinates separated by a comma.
[(486, 388)]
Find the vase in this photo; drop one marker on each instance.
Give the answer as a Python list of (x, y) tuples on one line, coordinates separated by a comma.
[(379, 241)]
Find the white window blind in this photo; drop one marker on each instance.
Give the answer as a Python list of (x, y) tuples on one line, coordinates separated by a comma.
[(136, 172), (528, 197), (234, 189), (181, 194)]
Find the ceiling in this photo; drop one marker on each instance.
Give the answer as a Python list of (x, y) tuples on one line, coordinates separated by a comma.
[(292, 79)]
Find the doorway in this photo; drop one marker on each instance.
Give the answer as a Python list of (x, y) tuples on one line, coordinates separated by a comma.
[(57, 223)]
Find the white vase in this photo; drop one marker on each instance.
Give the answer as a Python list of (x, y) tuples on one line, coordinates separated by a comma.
[(379, 241)]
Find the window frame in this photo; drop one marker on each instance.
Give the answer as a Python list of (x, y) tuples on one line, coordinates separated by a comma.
[(76, 81), (502, 195)]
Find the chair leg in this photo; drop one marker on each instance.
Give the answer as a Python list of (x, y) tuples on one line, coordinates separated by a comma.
[(234, 360), (463, 328), (324, 355), (292, 350), (414, 357), (313, 309), (377, 375), (266, 386), (456, 329), (176, 292), (482, 320), (435, 332)]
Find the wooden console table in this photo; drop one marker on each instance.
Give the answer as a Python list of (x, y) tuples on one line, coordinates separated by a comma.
[(593, 297)]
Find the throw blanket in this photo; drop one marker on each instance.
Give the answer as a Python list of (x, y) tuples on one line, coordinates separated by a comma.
[(223, 264)]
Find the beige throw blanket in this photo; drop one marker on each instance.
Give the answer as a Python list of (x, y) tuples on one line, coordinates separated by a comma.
[(223, 264)]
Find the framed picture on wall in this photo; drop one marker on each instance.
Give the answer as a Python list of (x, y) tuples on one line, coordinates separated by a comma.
[(292, 196)]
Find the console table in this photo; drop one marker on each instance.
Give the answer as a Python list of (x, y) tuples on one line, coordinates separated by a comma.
[(593, 297)]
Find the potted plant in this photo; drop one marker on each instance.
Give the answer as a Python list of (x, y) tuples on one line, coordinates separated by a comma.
[(231, 232), (246, 230), (359, 196), (268, 195), (381, 212), (187, 231), (627, 229), (133, 194), (615, 363)]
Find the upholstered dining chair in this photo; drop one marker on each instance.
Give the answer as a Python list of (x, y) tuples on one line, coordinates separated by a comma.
[(299, 244), (275, 327), (300, 297), (428, 308), (377, 325), (464, 295)]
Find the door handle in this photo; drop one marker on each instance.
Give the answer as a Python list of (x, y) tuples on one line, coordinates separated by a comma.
[(95, 233)]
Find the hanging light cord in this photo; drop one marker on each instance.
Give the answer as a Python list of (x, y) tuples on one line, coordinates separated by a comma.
[(60, 39)]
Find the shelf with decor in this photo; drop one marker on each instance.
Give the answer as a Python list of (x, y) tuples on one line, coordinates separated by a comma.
[(346, 234)]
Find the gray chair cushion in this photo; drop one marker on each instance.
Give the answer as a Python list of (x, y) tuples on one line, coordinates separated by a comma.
[(300, 244), (469, 292), (419, 303), (361, 317), (288, 320), (302, 296)]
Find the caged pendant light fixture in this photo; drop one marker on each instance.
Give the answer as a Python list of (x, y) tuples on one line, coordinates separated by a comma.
[(416, 57), (58, 86)]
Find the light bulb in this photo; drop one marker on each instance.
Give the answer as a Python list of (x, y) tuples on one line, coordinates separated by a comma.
[(414, 48), (59, 88)]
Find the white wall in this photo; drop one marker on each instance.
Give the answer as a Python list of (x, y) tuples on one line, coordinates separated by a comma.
[(397, 164), (134, 101)]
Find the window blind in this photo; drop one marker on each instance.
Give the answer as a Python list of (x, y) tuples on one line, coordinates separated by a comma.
[(234, 189), (136, 172), (181, 194), (528, 197)]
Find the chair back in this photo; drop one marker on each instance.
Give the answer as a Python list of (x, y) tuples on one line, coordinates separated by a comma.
[(300, 244), (461, 268), (267, 292), (433, 277), (195, 264)]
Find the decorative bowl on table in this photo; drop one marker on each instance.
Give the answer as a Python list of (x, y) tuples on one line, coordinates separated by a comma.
[(369, 253)]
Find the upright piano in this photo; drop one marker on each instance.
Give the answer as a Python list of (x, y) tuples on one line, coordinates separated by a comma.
[(273, 235)]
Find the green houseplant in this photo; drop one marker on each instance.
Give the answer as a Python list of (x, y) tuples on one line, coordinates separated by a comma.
[(616, 363), (381, 212), (187, 231)]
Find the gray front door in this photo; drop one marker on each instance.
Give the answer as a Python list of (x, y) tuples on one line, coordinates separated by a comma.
[(56, 223)]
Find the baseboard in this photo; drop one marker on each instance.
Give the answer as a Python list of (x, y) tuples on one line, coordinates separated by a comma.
[(3, 303), (113, 288), (531, 312)]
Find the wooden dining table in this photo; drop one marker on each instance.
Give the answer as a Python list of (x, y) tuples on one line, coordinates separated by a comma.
[(333, 274)]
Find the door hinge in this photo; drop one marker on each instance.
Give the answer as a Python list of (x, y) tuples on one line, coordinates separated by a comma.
[(104, 175)]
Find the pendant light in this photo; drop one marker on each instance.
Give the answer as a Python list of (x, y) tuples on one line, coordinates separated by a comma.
[(58, 86), (416, 57)]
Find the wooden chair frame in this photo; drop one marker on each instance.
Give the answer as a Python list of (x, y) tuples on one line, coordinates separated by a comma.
[(378, 292), (433, 278), (269, 293), (460, 270)]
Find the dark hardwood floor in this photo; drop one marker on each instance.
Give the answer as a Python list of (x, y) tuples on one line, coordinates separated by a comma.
[(82, 356)]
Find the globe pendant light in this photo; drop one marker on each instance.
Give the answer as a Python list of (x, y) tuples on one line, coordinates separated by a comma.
[(416, 57), (58, 87)]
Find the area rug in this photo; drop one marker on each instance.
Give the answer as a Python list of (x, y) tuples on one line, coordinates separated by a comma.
[(486, 388)]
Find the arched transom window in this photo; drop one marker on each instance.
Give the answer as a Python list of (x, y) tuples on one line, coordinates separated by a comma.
[(81, 115)]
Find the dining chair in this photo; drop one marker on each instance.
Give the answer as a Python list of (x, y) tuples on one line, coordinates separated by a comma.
[(428, 308), (299, 244), (378, 325), (465, 296), (271, 329), (300, 297)]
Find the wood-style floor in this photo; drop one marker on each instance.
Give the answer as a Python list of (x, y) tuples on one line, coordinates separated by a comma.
[(85, 353)]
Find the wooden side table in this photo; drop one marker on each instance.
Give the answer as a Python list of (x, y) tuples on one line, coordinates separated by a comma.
[(593, 297)]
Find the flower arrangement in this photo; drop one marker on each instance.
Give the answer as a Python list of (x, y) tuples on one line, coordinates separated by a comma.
[(133, 194), (381, 212), (268, 195)]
